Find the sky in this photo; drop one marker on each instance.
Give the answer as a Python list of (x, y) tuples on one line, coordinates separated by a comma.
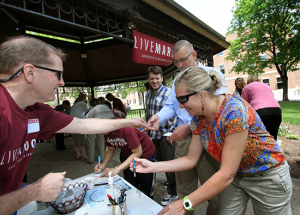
[(215, 13)]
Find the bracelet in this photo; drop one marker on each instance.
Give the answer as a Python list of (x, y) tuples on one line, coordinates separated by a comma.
[(117, 170)]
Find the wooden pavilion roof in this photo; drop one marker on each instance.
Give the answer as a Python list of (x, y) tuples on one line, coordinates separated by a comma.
[(107, 61)]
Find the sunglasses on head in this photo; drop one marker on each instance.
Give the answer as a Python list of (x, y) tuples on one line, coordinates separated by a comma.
[(185, 98), (20, 71)]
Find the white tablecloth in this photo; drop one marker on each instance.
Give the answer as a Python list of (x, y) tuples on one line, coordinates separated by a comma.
[(137, 204)]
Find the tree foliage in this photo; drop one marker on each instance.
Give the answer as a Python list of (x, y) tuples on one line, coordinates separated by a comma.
[(268, 27)]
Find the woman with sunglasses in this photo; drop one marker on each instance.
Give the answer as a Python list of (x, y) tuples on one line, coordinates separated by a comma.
[(253, 166)]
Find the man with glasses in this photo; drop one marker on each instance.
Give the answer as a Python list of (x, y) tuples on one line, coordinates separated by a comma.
[(184, 56), (165, 149), (30, 73)]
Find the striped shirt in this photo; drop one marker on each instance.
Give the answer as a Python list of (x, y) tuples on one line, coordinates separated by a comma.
[(154, 103)]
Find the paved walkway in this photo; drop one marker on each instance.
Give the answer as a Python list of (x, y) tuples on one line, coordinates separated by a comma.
[(47, 159)]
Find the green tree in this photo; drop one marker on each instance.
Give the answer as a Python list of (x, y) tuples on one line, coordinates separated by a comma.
[(73, 92), (123, 89), (268, 27)]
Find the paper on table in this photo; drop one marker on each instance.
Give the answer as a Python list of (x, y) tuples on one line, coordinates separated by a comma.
[(95, 197), (168, 134), (156, 209), (89, 179)]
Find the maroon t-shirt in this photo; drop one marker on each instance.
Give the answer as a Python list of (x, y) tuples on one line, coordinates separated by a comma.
[(118, 104), (19, 130), (127, 139)]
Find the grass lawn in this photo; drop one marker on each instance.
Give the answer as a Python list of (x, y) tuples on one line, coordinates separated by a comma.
[(290, 112)]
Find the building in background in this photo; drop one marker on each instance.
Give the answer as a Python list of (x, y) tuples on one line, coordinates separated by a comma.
[(270, 77)]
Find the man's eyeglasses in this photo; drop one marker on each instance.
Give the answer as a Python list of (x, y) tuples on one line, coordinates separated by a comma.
[(181, 60), (19, 72), (184, 99), (60, 73)]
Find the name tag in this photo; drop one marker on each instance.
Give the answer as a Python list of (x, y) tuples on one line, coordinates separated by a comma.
[(33, 126), (158, 98)]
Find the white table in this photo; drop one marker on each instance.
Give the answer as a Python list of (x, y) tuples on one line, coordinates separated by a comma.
[(137, 203)]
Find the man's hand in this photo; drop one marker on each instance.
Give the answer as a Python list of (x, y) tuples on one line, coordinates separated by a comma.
[(49, 186), (173, 208), (180, 132), (150, 124), (137, 123), (169, 141)]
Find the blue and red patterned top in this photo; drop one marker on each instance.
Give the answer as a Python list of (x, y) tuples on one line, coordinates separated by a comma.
[(262, 152)]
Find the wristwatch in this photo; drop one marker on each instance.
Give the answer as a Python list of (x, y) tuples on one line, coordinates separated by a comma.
[(187, 204)]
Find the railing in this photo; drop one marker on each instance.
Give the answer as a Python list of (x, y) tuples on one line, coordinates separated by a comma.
[(135, 113)]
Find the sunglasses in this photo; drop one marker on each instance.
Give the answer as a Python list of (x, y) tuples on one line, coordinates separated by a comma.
[(181, 60), (20, 71), (184, 99)]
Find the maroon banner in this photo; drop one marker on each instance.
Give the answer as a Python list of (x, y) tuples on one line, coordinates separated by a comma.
[(150, 50)]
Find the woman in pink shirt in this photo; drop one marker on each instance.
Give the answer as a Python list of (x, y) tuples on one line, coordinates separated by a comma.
[(260, 97)]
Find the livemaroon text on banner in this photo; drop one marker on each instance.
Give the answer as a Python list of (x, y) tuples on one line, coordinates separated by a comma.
[(150, 50)]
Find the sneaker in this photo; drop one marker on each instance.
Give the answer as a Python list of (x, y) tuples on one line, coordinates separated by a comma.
[(166, 184), (168, 199)]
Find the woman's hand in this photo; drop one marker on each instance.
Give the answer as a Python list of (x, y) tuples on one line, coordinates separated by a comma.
[(97, 169), (105, 173), (173, 208), (142, 165)]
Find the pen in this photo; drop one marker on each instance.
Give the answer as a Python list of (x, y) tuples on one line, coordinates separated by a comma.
[(100, 184), (147, 126), (134, 170), (99, 160)]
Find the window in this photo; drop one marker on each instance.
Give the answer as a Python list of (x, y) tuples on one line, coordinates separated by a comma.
[(263, 57), (222, 68), (248, 43), (220, 53), (279, 83), (266, 81)]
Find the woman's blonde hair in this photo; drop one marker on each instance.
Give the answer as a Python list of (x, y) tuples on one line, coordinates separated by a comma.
[(197, 79), (252, 78)]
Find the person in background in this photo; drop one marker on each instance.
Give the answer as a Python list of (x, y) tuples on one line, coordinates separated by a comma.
[(260, 97), (253, 166), (184, 56), (117, 103), (132, 144), (59, 137), (78, 110), (104, 101), (67, 106), (239, 85), (95, 138), (147, 86), (165, 149), (31, 71)]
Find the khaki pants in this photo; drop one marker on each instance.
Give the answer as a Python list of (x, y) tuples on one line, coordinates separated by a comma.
[(270, 193), (99, 140), (187, 181)]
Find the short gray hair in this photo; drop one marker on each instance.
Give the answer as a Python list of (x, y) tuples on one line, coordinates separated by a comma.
[(182, 43), (103, 112)]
